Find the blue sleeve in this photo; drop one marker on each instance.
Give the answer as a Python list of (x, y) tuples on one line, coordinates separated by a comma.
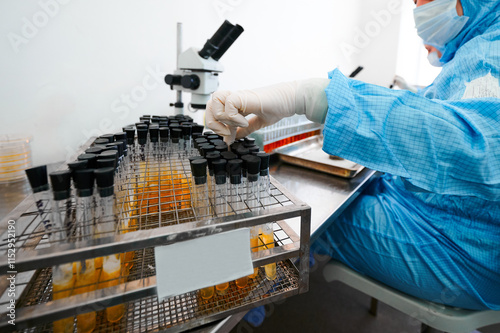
[(446, 147)]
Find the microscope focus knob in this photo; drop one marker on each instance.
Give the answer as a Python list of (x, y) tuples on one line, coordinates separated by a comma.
[(173, 79), (190, 81)]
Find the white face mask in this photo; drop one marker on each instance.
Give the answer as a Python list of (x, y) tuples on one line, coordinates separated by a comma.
[(433, 58), (437, 22)]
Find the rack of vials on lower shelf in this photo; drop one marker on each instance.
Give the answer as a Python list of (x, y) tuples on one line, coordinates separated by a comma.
[(84, 240)]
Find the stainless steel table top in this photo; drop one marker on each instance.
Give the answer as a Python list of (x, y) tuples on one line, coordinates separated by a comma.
[(327, 195)]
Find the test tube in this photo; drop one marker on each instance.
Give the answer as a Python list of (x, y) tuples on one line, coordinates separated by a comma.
[(154, 136), (142, 138), (37, 177), (175, 135), (252, 181), (236, 188), (265, 198), (186, 136), (108, 226), (252, 199), (86, 278), (264, 179), (164, 135), (153, 174), (76, 165), (268, 243), (200, 204), (122, 137), (235, 198), (62, 275), (211, 157), (140, 182), (220, 181), (200, 189)]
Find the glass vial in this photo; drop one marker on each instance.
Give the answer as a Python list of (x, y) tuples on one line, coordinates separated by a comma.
[(111, 272), (86, 278), (62, 275)]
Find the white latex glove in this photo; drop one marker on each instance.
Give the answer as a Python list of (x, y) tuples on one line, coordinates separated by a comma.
[(402, 84), (226, 110)]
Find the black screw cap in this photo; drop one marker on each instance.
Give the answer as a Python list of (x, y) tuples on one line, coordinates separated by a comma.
[(90, 158), (109, 137), (142, 135), (130, 132), (122, 136), (228, 155), (37, 177), (84, 179), (199, 167), (219, 167), (252, 164), (234, 167), (264, 160), (106, 163), (104, 177), (154, 133), (61, 183)]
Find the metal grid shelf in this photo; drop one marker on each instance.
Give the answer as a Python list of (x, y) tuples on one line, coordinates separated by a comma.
[(176, 313), (155, 209)]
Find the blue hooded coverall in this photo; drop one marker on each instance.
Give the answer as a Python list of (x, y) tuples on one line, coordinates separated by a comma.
[(430, 226)]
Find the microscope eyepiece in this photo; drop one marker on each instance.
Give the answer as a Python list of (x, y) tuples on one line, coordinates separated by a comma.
[(212, 44), (227, 42)]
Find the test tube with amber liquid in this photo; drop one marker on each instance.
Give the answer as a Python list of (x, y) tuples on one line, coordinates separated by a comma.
[(86, 278), (237, 192), (267, 239), (141, 175), (200, 204), (253, 199), (62, 275), (165, 181), (111, 272)]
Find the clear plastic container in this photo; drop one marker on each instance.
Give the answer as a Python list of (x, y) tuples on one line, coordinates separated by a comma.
[(15, 157), (276, 135)]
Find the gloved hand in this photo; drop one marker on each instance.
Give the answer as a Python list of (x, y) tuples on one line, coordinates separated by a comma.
[(226, 110), (402, 84)]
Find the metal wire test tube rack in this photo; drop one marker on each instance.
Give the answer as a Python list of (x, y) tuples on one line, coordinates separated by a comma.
[(153, 196)]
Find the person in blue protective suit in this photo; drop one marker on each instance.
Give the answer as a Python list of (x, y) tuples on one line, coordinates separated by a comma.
[(430, 226)]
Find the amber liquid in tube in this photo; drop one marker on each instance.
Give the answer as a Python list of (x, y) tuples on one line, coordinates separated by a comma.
[(254, 245), (112, 268), (207, 293), (63, 279), (111, 276), (86, 281), (222, 288), (62, 286), (200, 204), (268, 243)]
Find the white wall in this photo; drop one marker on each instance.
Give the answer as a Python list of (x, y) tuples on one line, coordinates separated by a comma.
[(77, 68)]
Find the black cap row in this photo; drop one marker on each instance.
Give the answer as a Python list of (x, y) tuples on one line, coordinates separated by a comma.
[(61, 180)]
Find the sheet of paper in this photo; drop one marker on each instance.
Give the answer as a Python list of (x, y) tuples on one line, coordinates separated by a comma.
[(202, 262)]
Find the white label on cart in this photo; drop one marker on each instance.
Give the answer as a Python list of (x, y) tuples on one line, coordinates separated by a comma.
[(202, 262)]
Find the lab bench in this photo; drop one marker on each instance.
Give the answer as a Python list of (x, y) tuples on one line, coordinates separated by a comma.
[(327, 195)]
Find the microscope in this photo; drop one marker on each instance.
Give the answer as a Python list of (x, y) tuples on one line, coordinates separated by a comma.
[(197, 71)]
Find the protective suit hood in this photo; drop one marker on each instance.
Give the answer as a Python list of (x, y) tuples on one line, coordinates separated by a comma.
[(482, 14)]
